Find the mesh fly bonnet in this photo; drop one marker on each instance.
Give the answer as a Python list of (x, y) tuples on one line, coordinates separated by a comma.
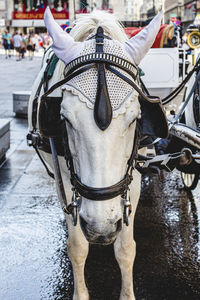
[(104, 92)]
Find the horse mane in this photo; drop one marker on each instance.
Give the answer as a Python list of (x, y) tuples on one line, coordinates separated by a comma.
[(88, 24)]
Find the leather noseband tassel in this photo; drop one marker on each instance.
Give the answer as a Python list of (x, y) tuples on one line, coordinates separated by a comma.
[(102, 106)]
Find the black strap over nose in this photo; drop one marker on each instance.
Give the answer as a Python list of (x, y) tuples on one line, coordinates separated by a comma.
[(102, 106)]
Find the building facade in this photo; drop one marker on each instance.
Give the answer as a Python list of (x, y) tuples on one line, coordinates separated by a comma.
[(2, 9), (126, 10), (5, 14), (29, 13), (132, 10), (2, 14), (186, 9), (149, 8)]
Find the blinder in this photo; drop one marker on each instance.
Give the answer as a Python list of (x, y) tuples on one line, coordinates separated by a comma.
[(153, 120), (51, 124)]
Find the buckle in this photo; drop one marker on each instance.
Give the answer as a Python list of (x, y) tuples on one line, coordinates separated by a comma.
[(33, 139), (127, 208)]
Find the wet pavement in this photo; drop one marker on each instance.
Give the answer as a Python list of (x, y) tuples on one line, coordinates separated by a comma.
[(15, 76), (33, 260), (167, 233)]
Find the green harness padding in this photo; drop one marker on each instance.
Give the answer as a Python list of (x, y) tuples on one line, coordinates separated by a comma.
[(52, 66), (49, 71)]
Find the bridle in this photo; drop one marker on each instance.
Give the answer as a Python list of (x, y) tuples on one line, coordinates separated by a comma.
[(121, 188), (103, 118)]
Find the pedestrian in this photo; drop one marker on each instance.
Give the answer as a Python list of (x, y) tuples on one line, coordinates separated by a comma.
[(30, 48), (41, 41), (12, 46), (17, 39), (23, 46), (35, 42), (47, 39), (7, 43)]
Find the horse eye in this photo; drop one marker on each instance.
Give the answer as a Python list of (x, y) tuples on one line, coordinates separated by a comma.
[(64, 118), (132, 122)]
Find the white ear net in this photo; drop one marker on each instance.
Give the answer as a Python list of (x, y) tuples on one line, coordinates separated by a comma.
[(63, 45), (138, 46)]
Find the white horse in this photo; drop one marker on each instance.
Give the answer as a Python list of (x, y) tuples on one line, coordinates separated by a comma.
[(99, 152)]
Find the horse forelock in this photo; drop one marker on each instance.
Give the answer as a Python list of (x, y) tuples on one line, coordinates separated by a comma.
[(88, 24)]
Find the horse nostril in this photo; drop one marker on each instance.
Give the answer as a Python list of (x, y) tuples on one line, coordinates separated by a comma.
[(118, 225), (89, 230)]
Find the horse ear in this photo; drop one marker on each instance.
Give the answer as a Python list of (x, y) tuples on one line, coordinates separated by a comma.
[(138, 46), (63, 45)]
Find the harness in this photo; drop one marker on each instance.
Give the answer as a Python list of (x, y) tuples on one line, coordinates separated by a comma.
[(52, 128)]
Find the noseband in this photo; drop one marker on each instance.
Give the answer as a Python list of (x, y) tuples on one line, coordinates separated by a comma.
[(102, 117)]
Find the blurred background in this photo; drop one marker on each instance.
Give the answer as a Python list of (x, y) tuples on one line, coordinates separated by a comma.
[(26, 15)]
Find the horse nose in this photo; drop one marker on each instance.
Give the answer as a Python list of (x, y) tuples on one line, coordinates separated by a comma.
[(94, 233)]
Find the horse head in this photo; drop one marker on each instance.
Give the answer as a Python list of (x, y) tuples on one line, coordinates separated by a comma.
[(100, 159), (100, 110)]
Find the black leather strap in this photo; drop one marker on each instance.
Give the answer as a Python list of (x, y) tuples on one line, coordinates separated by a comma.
[(44, 82), (93, 36), (102, 106), (100, 194), (67, 78), (35, 105), (151, 99), (45, 78), (99, 40)]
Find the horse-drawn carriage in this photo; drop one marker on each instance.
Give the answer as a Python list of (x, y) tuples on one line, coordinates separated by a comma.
[(170, 66), (180, 94)]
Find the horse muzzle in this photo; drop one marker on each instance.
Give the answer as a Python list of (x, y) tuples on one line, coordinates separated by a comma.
[(95, 235)]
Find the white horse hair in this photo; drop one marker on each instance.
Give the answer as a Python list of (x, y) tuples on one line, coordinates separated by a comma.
[(88, 23), (100, 157)]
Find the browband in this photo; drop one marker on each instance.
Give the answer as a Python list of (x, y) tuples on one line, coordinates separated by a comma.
[(117, 61)]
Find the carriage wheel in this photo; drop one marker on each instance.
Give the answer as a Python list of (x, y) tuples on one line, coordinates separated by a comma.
[(193, 40), (190, 181)]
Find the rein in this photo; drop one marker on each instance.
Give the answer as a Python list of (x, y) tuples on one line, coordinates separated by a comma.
[(78, 69)]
